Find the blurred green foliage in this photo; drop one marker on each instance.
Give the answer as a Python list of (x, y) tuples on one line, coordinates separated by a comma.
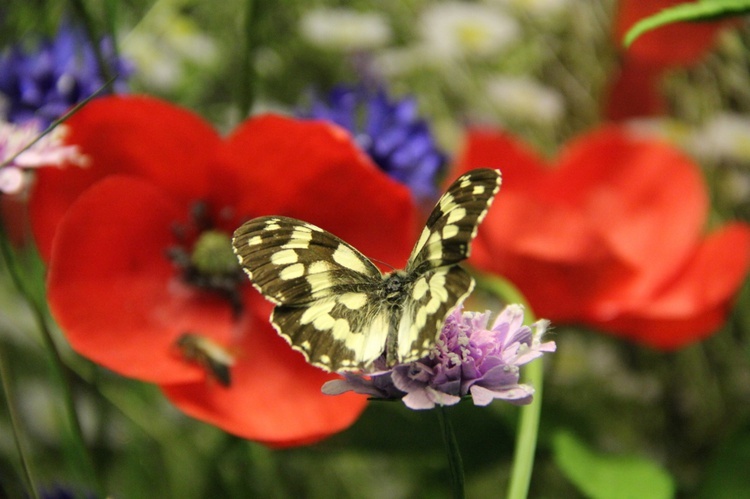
[(685, 413)]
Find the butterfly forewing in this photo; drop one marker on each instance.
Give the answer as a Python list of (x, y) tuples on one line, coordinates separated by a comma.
[(452, 225), (294, 263)]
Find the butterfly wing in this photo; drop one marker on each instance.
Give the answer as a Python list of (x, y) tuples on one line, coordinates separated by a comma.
[(323, 288), (452, 225), (433, 296), (440, 285)]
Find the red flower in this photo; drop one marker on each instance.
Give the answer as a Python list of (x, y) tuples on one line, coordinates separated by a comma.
[(119, 238), (611, 236), (635, 88)]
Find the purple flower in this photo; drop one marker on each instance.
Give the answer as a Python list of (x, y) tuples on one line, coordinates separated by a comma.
[(390, 132), (468, 359), (43, 84)]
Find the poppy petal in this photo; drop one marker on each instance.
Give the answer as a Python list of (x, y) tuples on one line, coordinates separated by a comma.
[(521, 167), (275, 395), (612, 237), (695, 304), (648, 199), (135, 135), (314, 171), (634, 92), (676, 44), (548, 251), (113, 290)]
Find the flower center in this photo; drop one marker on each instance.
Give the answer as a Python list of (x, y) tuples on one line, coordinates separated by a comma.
[(210, 265), (213, 255)]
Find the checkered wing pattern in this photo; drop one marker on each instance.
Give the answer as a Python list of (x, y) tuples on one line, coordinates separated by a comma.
[(335, 306), (440, 285), (325, 291), (453, 223)]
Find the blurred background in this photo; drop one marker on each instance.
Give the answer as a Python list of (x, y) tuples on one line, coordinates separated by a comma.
[(668, 422)]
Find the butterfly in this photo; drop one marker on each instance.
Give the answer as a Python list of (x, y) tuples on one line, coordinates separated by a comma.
[(336, 307)]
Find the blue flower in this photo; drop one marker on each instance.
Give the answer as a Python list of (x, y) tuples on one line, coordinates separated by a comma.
[(44, 83), (390, 132)]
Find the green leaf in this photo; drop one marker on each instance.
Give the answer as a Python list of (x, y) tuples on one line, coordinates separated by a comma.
[(608, 476), (705, 10), (726, 475)]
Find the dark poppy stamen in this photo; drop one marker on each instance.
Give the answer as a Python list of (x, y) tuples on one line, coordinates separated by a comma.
[(209, 262)]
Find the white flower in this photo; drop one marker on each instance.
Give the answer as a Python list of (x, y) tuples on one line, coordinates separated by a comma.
[(470, 30), (519, 97), (659, 127), (49, 150), (345, 29), (725, 136)]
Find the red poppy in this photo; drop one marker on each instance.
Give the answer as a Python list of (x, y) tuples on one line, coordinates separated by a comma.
[(120, 237), (610, 236), (635, 88)]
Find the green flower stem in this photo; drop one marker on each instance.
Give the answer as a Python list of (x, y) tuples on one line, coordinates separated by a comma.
[(15, 424), (57, 122), (523, 459), (455, 464), (85, 461), (246, 80), (88, 23), (528, 428)]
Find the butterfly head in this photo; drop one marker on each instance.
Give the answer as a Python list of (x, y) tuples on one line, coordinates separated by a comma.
[(394, 285)]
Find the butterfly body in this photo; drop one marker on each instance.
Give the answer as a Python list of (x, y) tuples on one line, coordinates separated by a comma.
[(336, 307)]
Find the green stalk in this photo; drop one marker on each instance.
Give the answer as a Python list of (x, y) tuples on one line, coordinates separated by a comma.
[(15, 424), (246, 80), (455, 464), (85, 461), (528, 426), (526, 437), (91, 32), (57, 122)]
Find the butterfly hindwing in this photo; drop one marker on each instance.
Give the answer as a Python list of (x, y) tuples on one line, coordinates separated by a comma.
[(323, 288), (452, 225), (337, 333), (433, 296)]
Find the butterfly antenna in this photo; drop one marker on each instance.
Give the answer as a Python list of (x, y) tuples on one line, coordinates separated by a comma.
[(385, 264)]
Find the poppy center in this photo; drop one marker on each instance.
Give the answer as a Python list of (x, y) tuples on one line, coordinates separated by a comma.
[(212, 254), (208, 264)]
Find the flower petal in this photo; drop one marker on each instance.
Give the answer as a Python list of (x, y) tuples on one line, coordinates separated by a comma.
[(644, 196), (275, 396), (314, 171), (113, 290), (521, 167), (517, 394), (550, 253), (135, 135), (696, 302), (676, 44)]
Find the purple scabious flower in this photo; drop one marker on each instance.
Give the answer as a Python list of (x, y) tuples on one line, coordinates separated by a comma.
[(44, 83), (391, 132), (469, 358)]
